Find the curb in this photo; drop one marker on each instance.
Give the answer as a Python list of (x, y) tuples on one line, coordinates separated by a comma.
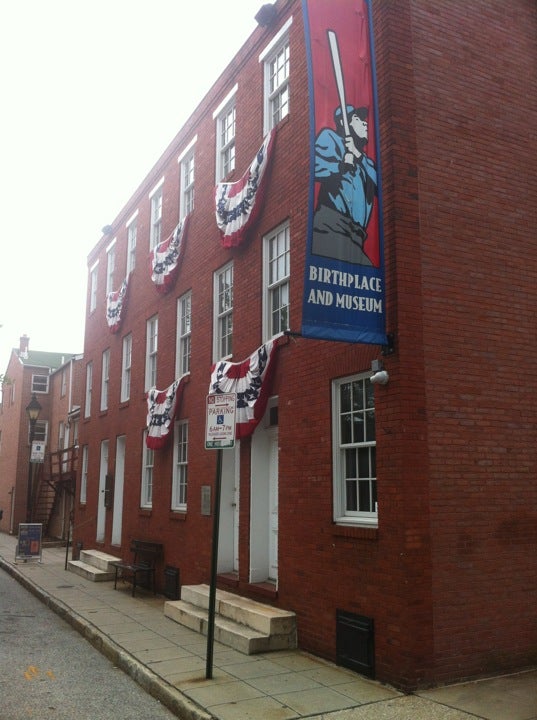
[(158, 688)]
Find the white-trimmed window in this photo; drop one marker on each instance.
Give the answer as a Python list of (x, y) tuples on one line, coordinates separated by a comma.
[(93, 287), (132, 232), (89, 388), (155, 198), (84, 475), (63, 383), (184, 333), (151, 348), (225, 116), (180, 466), (105, 379), (186, 162), (110, 266), (354, 446), (40, 431), (146, 498), (276, 259), (126, 362), (223, 312), (40, 384), (275, 58)]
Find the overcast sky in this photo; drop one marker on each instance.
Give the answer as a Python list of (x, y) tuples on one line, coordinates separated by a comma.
[(92, 92)]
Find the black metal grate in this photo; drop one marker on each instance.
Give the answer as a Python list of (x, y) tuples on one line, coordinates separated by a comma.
[(172, 588), (355, 642)]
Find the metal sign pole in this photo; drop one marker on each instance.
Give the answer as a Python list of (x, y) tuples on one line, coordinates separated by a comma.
[(214, 565)]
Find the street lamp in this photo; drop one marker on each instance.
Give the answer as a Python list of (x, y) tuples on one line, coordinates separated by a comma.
[(32, 410)]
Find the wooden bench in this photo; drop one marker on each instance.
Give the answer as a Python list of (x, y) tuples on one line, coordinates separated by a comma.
[(141, 571)]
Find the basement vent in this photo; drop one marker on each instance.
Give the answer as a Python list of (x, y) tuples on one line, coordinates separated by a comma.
[(355, 643)]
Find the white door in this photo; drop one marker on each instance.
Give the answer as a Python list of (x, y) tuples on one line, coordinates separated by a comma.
[(228, 536), (273, 505), (117, 520), (101, 510)]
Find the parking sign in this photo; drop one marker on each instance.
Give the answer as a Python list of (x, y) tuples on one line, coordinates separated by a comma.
[(220, 425)]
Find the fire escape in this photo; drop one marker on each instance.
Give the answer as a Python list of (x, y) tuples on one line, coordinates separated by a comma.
[(54, 491)]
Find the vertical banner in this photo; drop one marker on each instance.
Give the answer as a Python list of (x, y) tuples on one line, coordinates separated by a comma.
[(344, 268)]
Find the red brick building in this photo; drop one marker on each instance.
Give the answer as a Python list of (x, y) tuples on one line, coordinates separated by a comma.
[(54, 380), (430, 555)]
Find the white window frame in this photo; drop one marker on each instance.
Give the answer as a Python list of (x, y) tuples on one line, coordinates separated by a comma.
[(84, 476), (40, 431), (132, 234), (151, 352), (225, 116), (105, 378), (180, 467), (63, 383), (276, 281), (148, 461), (126, 366), (110, 266), (155, 227), (184, 334), (276, 97), (40, 384), (93, 286), (89, 389), (223, 313), (187, 167), (362, 445)]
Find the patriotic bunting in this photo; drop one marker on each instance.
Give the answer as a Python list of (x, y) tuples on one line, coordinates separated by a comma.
[(162, 406), (238, 204), (115, 302), (252, 381), (166, 256)]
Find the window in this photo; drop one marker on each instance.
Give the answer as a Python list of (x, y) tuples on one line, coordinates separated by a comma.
[(84, 474), (180, 466), (186, 160), (225, 136), (126, 368), (146, 499), (40, 383), (155, 197), (40, 431), (89, 387), (151, 353), (105, 379), (276, 77), (61, 435), (110, 266), (355, 485), (276, 270), (63, 386), (93, 288), (184, 330), (223, 312), (132, 231)]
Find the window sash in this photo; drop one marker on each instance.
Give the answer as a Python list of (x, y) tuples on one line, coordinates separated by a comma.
[(105, 379), (84, 475), (156, 218), (224, 312), (146, 499), (152, 348), (184, 333), (40, 383), (277, 274), (132, 232), (355, 484), (110, 267), (187, 179), (278, 85), (126, 368), (89, 388), (180, 476)]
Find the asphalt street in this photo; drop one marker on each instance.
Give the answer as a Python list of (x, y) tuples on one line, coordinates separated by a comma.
[(49, 671)]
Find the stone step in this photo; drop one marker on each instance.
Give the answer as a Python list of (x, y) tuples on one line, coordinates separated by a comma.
[(100, 560), (243, 624), (264, 618), (90, 572)]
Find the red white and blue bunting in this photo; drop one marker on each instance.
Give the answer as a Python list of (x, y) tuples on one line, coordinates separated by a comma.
[(238, 204), (252, 381), (166, 256), (162, 406), (115, 303)]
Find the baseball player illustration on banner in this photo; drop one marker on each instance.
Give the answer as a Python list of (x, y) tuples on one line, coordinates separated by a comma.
[(347, 179)]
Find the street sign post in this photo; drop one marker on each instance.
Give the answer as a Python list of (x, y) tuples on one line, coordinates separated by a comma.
[(219, 435)]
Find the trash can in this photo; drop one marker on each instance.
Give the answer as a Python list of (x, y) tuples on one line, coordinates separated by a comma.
[(172, 586)]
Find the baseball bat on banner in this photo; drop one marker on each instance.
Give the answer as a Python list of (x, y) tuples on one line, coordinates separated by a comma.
[(338, 73)]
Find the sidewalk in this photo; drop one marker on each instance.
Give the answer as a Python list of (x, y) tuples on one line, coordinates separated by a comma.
[(169, 661)]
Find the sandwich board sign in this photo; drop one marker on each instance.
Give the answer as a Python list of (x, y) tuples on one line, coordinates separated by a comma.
[(29, 542), (220, 424)]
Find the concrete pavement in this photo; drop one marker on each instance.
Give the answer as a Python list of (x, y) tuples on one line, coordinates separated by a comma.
[(168, 661)]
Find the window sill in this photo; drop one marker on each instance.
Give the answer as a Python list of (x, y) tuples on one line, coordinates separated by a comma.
[(361, 532), (145, 511), (178, 515)]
